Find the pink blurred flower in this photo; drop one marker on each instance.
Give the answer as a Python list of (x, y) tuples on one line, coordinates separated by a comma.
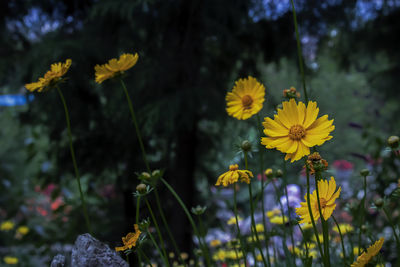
[(343, 165)]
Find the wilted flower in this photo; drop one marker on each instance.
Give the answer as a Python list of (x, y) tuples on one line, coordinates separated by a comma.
[(233, 175), (130, 240)]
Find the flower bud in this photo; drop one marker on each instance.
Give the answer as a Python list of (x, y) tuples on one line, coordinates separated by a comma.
[(364, 172), (279, 173), (198, 210), (393, 141), (379, 202), (141, 188), (364, 228), (269, 173), (246, 146), (146, 175)]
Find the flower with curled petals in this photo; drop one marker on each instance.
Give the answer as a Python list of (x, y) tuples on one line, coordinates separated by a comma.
[(51, 77), (233, 175), (296, 128), (130, 239), (246, 98), (327, 196), (366, 256), (115, 67)]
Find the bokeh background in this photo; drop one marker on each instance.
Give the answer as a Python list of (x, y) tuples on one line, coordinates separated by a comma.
[(190, 54)]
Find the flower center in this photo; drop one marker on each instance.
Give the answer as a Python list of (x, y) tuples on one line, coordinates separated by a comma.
[(233, 167), (247, 101), (322, 202), (297, 132)]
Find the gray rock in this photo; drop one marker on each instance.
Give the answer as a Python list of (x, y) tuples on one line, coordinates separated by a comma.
[(58, 261), (89, 252)]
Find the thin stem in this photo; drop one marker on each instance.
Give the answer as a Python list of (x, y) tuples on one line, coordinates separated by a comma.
[(341, 239), (288, 208), (362, 210), (165, 259), (137, 222), (145, 257), (311, 214), (304, 238), (299, 52), (237, 226), (71, 148), (196, 232), (171, 237), (253, 223), (158, 229), (323, 222), (262, 187), (139, 136), (393, 228)]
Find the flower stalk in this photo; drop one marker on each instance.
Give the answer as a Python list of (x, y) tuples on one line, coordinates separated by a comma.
[(242, 245), (71, 147)]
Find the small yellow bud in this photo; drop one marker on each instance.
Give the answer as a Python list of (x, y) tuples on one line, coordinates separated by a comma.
[(141, 188), (393, 141)]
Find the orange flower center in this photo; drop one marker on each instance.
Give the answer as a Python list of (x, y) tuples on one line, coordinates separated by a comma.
[(322, 202), (233, 167), (297, 132), (247, 101)]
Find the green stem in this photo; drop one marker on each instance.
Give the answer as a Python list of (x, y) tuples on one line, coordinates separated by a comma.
[(288, 208), (144, 256), (165, 259), (253, 223), (158, 230), (393, 228), (304, 238), (137, 222), (78, 179), (242, 245), (362, 210), (323, 222), (262, 187), (171, 237), (341, 239), (299, 52), (196, 232), (139, 136), (311, 214)]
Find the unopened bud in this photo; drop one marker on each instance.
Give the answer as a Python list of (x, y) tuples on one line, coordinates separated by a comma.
[(246, 146), (393, 141), (379, 202), (364, 228), (269, 173), (279, 173), (364, 172), (146, 175), (141, 188)]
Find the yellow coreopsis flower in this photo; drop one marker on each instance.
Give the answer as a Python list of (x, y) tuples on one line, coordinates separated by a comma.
[(130, 239), (51, 78), (344, 228), (296, 128), (232, 220), (215, 243), (23, 230), (279, 219), (6, 226), (10, 260), (366, 256), (246, 98), (115, 67), (272, 213), (327, 197), (233, 175)]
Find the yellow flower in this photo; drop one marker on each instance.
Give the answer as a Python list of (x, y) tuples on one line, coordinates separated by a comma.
[(279, 219), (232, 220), (130, 240), (220, 255), (23, 230), (296, 128), (215, 242), (51, 78), (233, 175), (246, 98), (259, 228), (253, 238), (272, 213), (327, 197), (10, 260), (365, 257), (306, 226), (115, 67), (344, 228), (6, 226)]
